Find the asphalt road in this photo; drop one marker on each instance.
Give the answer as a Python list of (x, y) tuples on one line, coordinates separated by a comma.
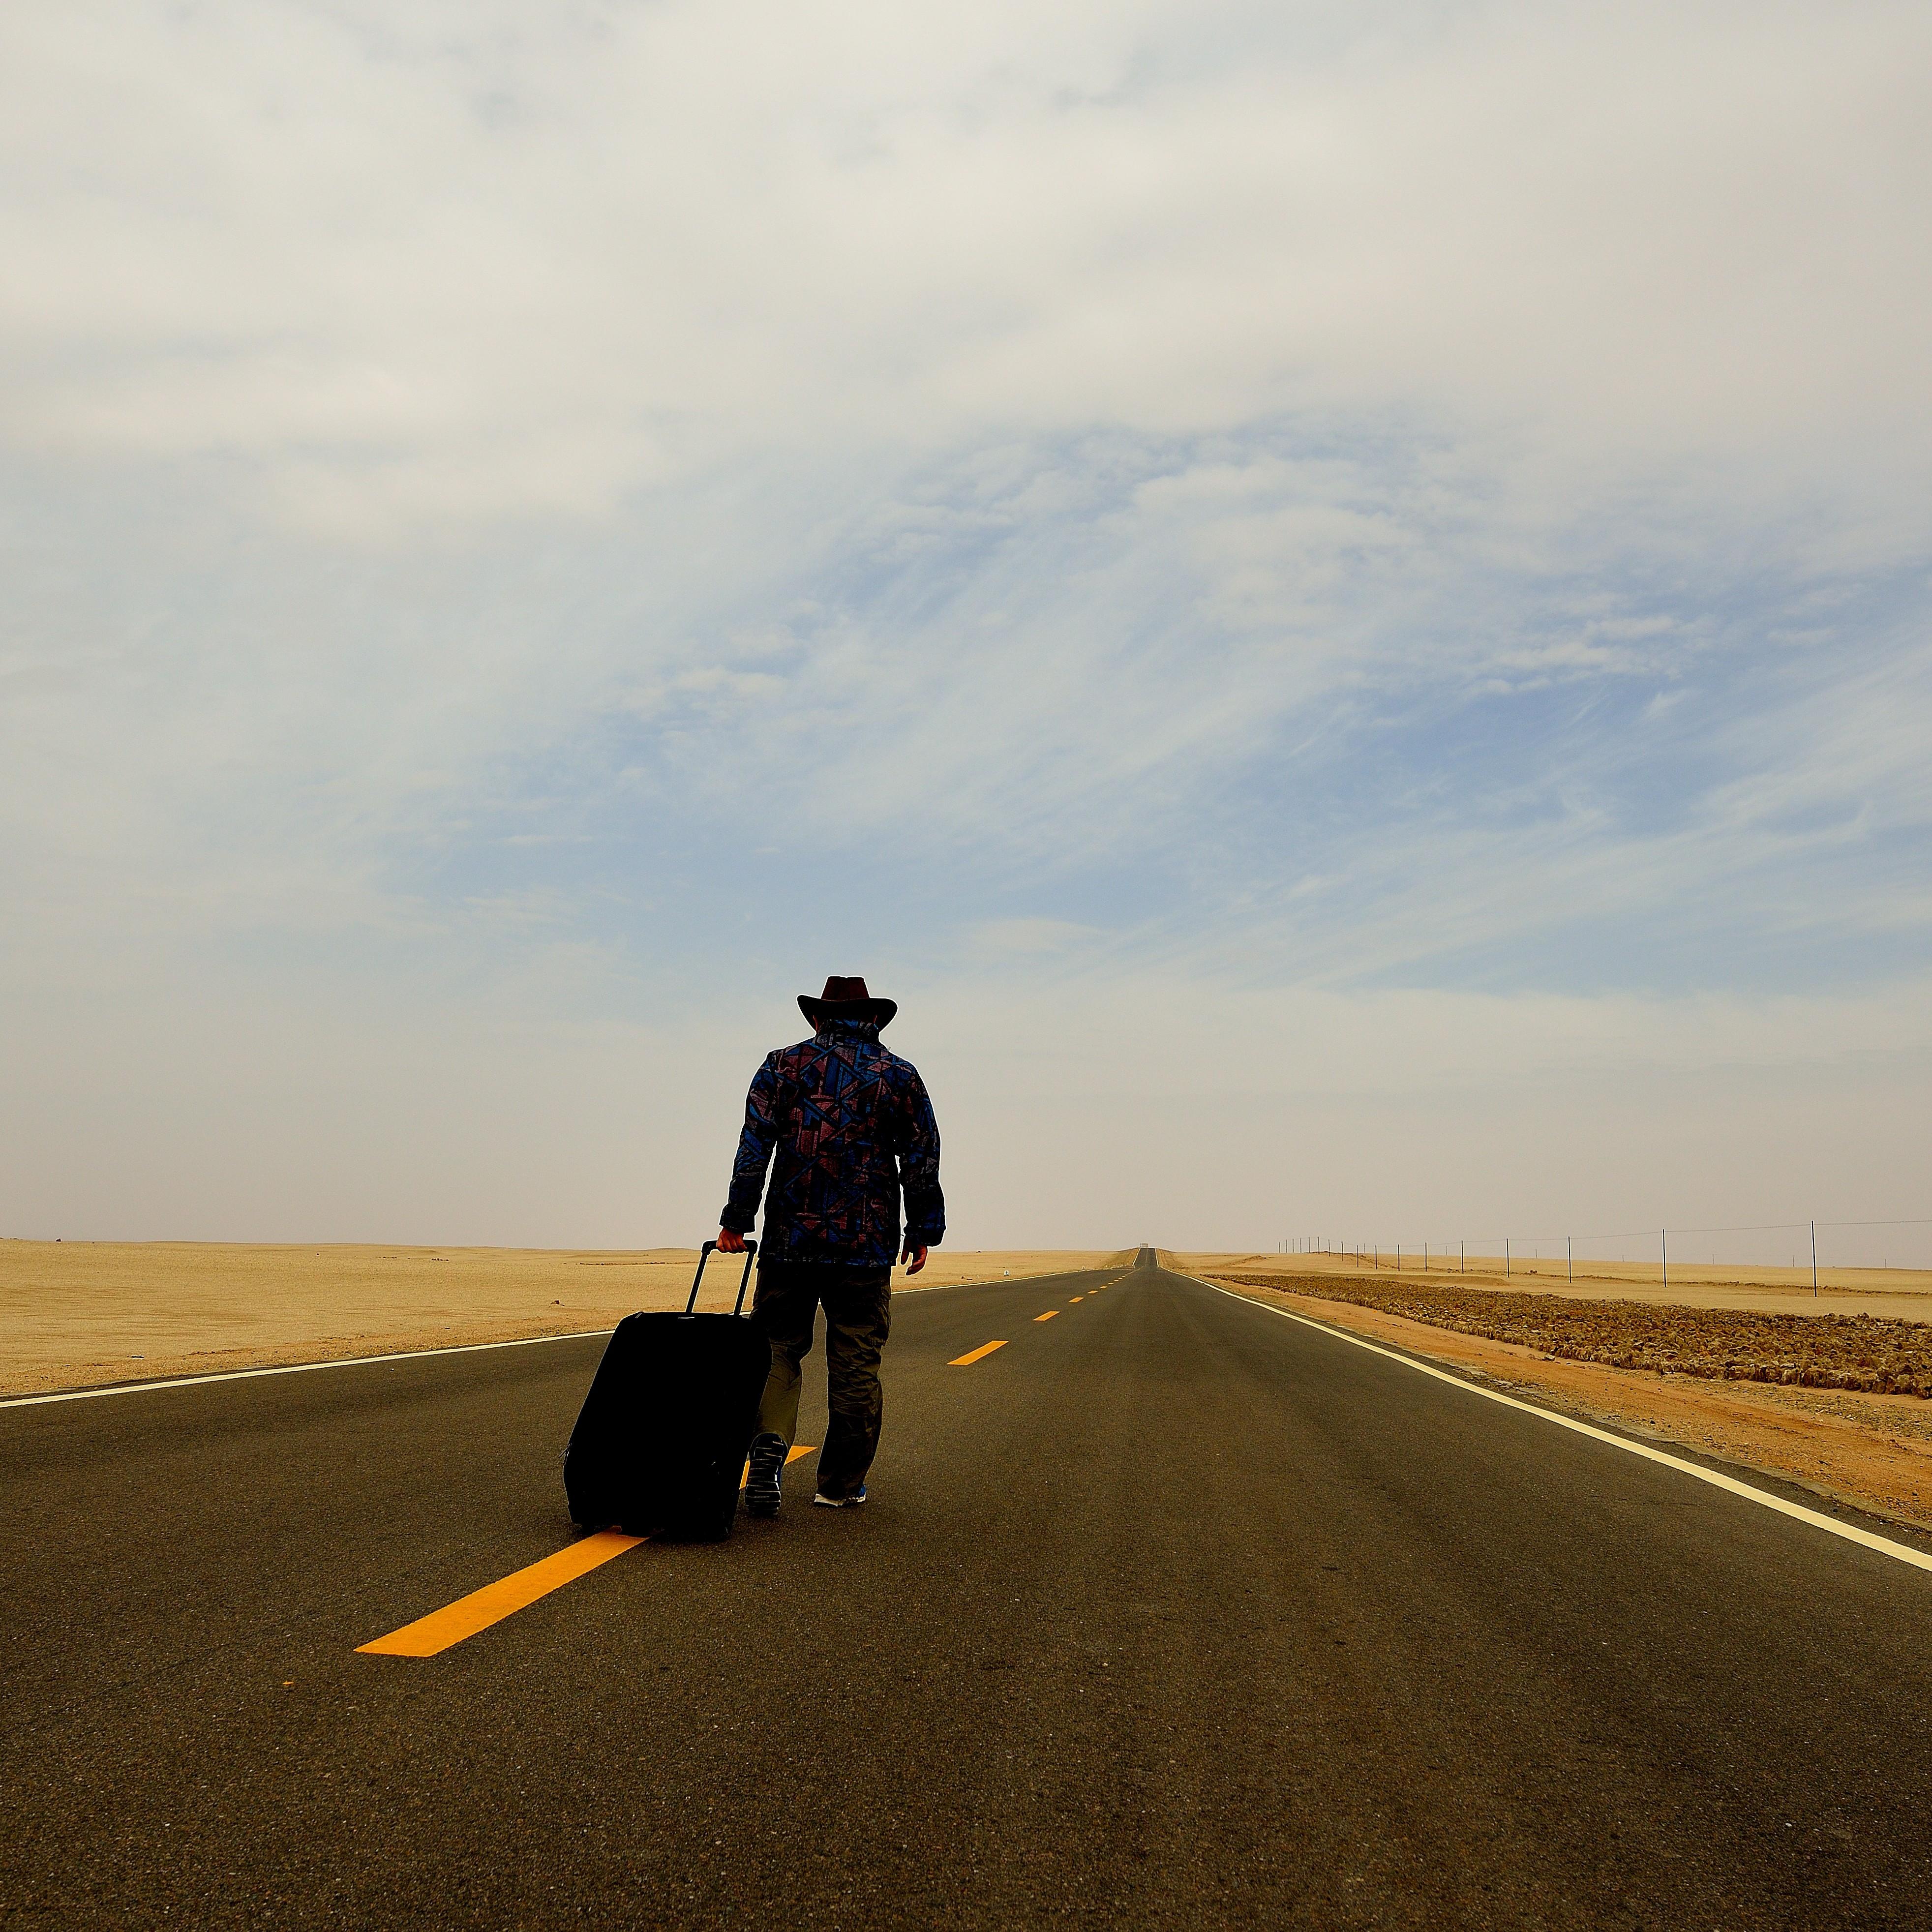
[(1170, 1612)]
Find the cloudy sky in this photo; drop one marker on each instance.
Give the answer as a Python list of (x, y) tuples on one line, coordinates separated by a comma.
[(1333, 596)]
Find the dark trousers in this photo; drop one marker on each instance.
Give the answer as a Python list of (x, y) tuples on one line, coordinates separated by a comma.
[(858, 1304)]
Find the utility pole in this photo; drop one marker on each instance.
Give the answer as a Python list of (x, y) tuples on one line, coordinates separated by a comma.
[(1814, 1261), (1569, 1259), (1664, 1235)]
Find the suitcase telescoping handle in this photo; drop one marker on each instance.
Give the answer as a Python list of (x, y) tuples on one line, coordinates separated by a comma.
[(704, 1254)]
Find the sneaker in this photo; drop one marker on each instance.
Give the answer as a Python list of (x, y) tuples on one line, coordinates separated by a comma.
[(763, 1493), (841, 1502)]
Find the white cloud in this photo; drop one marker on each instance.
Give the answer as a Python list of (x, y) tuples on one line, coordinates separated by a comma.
[(439, 265)]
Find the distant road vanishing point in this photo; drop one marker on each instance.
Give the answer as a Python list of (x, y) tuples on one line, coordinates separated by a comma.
[(1167, 1612)]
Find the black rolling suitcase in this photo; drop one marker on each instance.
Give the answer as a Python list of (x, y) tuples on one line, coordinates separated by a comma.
[(660, 1444)]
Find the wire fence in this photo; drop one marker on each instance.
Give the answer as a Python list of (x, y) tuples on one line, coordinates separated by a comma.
[(1819, 1254)]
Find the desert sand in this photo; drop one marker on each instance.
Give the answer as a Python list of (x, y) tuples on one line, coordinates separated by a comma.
[(75, 1314)]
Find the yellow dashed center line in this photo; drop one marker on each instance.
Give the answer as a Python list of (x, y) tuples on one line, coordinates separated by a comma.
[(495, 1601), (978, 1354)]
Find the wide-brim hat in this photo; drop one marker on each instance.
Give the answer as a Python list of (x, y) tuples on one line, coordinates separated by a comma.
[(846, 999)]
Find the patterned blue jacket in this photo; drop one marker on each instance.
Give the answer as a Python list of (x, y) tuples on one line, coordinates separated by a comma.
[(851, 1124)]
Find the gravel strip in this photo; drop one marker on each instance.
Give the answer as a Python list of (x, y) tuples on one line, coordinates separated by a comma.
[(1874, 1354)]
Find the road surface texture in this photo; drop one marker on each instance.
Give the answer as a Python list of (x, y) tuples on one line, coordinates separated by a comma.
[(1169, 1612)]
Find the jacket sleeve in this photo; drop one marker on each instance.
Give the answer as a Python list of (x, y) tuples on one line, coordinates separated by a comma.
[(754, 1153), (918, 1171)]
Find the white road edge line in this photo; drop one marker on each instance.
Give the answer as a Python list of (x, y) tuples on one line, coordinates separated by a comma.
[(402, 1355), (295, 1369), (1818, 1520)]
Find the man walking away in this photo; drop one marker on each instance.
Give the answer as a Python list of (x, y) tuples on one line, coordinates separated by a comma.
[(846, 1126)]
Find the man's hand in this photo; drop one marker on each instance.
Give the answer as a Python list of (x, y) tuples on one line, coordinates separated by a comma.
[(913, 1257), (730, 1243)]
